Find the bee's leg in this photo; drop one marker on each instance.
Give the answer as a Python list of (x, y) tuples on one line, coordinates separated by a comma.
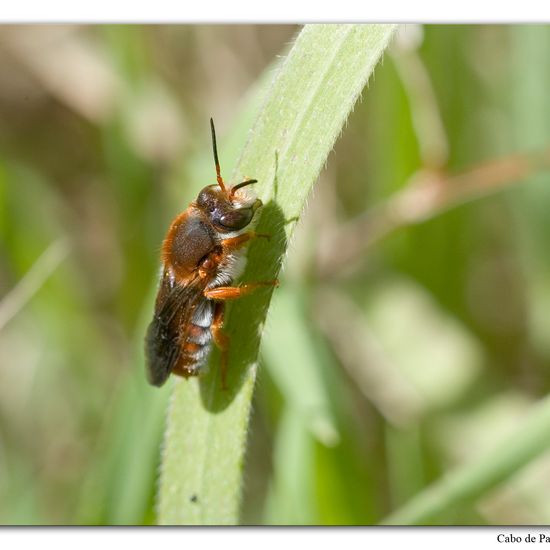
[(221, 339), (233, 292), (235, 243)]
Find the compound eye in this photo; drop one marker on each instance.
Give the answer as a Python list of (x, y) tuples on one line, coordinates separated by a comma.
[(237, 219)]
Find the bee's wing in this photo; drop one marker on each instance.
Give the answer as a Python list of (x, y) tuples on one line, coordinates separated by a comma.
[(173, 310)]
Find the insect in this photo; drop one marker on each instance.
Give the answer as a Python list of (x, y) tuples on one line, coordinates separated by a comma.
[(199, 263)]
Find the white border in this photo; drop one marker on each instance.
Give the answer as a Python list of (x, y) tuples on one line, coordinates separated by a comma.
[(359, 538), (273, 11)]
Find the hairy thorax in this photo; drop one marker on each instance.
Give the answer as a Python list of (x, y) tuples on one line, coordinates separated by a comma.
[(193, 248), (190, 242)]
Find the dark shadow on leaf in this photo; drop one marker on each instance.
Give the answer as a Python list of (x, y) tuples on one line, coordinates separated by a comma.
[(245, 317)]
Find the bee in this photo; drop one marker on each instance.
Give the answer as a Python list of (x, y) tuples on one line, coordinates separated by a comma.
[(199, 263)]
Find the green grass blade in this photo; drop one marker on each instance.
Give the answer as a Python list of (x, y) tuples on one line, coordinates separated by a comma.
[(291, 498), (299, 377), (305, 110), (472, 480)]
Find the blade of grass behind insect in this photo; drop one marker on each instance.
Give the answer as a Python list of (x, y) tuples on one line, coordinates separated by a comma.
[(306, 107), (298, 375), (291, 498), (472, 480), (315, 481)]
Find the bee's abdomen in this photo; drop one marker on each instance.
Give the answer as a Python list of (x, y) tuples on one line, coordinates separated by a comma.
[(199, 336), (197, 340)]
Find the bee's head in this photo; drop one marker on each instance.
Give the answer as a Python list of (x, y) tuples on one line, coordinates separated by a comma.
[(226, 209)]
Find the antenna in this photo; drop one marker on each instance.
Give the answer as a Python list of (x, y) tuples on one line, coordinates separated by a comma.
[(215, 148), (239, 185)]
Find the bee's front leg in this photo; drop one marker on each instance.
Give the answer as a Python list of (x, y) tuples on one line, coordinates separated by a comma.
[(224, 293), (234, 243)]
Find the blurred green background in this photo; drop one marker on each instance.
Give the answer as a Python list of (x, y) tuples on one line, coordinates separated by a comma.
[(386, 362)]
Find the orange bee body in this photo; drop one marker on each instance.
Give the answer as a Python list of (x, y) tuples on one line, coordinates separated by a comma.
[(200, 261)]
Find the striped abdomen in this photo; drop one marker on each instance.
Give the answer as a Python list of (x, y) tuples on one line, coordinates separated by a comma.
[(196, 340)]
